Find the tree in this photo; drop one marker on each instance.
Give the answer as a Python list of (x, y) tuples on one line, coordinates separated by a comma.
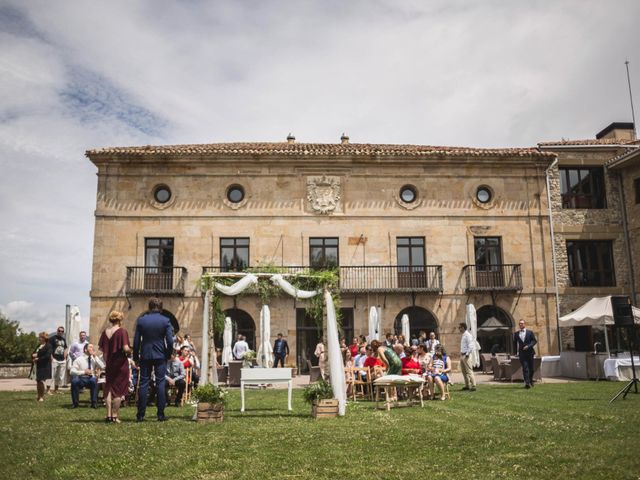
[(16, 346)]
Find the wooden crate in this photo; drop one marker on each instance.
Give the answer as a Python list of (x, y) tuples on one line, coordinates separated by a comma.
[(325, 408), (210, 413)]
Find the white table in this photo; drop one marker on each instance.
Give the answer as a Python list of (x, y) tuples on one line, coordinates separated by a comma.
[(620, 368), (550, 366), (260, 376)]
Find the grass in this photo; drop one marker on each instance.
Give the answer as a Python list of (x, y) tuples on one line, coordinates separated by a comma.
[(549, 432)]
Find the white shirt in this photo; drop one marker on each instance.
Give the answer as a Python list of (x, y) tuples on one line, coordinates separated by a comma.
[(431, 345), (523, 332), (466, 343), (239, 349), (81, 363)]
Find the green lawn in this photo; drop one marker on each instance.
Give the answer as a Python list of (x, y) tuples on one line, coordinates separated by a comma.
[(549, 432)]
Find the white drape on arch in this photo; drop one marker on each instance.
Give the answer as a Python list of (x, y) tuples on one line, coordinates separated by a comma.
[(265, 351), (238, 287), (278, 280)]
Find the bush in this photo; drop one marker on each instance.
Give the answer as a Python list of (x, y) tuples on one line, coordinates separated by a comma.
[(320, 390), (210, 393), (16, 346)]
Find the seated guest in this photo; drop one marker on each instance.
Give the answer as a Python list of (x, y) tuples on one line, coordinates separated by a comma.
[(440, 368), (410, 363), (424, 359), (77, 347), (346, 358), (372, 361), (189, 360), (83, 375), (175, 377), (354, 347), (398, 348)]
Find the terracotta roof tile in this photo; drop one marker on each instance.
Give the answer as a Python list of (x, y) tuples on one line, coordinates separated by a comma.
[(315, 149), (590, 141)]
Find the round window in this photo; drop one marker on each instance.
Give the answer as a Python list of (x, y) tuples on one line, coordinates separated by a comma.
[(235, 194), (162, 194), (408, 194), (483, 194)]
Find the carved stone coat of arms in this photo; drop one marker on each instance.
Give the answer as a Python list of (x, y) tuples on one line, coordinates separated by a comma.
[(323, 194)]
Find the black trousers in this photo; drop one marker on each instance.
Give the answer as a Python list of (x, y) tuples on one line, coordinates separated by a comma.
[(278, 358), (180, 386), (526, 359)]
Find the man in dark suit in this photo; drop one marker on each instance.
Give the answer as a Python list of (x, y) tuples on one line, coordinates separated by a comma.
[(280, 351), (523, 343), (152, 347)]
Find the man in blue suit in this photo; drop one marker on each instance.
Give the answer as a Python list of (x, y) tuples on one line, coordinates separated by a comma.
[(152, 347), (523, 343)]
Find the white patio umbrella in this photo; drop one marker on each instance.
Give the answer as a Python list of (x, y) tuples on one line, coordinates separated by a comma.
[(265, 351), (405, 328), (471, 320), (374, 324), (75, 321), (227, 338)]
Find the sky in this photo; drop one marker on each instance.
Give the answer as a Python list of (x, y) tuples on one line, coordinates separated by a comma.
[(81, 75)]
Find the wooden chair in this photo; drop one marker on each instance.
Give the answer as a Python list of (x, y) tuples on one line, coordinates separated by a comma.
[(188, 378), (358, 386)]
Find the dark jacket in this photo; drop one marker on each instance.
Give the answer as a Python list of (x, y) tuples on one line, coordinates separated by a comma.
[(284, 347), (529, 341), (153, 338)]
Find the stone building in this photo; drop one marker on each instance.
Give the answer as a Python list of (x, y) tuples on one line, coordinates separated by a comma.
[(590, 231), (412, 229)]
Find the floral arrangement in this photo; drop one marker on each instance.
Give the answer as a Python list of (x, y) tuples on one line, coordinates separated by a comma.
[(249, 355), (210, 393)]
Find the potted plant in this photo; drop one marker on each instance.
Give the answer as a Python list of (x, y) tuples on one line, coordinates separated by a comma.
[(211, 401), (320, 395)]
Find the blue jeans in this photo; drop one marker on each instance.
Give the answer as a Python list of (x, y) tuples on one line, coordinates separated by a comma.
[(159, 368), (84, 381)]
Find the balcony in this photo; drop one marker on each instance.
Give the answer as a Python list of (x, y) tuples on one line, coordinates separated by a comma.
[(372, 279), (160, 281), (493, 278)]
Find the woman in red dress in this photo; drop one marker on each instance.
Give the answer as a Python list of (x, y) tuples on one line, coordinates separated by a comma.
[(114, 343)]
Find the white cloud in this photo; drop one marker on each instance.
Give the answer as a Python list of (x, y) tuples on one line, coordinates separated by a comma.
[(79, 75)]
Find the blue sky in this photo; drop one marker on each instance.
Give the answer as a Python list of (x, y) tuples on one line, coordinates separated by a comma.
[(81, 75)]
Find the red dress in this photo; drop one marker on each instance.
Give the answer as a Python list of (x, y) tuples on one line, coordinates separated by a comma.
[(117, 364)]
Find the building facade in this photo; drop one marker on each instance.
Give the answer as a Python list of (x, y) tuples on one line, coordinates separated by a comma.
[(591, 216), (411, 229)]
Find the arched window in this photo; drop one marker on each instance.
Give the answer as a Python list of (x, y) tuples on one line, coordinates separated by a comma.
[(242, 324), (494, 329), (419, 319)]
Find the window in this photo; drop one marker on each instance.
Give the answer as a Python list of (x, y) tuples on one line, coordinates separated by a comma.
[(590, 263), (488, 252), (234, 254), (162, 193), (235, 193), (483, 194), (582, 187), (411, 262), (158, 262), (636, 188), (488, 256), (408, 194), (323, 252), (158, 253)]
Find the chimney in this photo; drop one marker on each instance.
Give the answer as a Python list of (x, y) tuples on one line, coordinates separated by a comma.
[(344, 139), (291, 138), (622, 131)]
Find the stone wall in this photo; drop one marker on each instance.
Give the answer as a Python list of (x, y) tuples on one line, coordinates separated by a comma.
[(14, 370)]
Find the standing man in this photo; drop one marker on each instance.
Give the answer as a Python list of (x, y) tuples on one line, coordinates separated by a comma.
[(432, 343), (59, 351), (466, 347), (83, 375), (77, 347), (280, 351), (523, 343), (152, 348), (240, 348)]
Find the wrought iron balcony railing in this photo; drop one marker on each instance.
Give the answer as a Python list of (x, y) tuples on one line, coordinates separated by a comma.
[(156, 281), (361, 279), (484, 278)]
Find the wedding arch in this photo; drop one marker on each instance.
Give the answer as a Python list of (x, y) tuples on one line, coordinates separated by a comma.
[(211, 284)]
